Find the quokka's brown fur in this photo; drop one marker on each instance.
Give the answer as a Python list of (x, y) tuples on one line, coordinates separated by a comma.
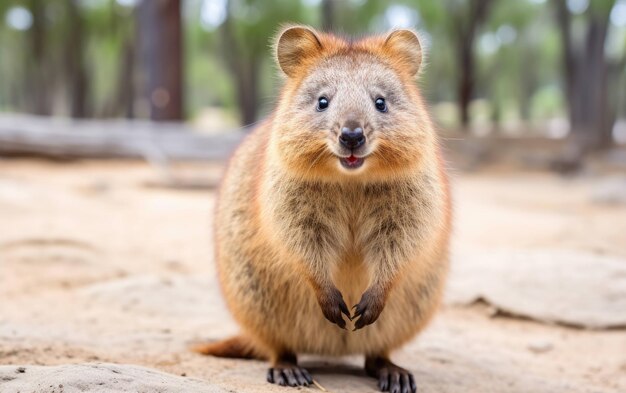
[(297, 234)]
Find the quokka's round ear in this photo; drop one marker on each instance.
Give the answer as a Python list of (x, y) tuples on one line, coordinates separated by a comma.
[(293, 45), (405, 45)]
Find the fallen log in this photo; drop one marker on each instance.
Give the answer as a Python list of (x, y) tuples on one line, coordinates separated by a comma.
[(68, 138)]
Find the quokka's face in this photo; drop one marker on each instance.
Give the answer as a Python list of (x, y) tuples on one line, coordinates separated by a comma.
[(350, 108)]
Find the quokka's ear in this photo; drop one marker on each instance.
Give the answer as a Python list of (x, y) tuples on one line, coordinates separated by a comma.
[(405, 46), (295, 44)]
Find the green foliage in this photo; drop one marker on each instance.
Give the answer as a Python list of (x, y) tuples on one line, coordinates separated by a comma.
[(518, 51)]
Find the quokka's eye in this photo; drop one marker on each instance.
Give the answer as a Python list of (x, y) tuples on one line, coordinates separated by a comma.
[(322, 104), (381, 105)]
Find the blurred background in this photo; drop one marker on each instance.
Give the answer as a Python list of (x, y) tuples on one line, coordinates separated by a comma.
[(553, 69)]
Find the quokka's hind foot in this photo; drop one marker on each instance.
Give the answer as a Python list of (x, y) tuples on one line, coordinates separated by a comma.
[(391, 378), (286, 372)]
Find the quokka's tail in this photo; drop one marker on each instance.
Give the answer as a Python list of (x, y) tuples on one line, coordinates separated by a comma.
[(239, 347)]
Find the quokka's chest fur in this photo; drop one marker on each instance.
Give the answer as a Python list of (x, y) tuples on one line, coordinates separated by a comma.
[(353, 216)]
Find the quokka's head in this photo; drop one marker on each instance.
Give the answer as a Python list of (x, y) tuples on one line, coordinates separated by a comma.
[(350, 108)]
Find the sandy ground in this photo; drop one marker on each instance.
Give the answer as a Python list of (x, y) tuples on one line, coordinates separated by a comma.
[(100, 270)]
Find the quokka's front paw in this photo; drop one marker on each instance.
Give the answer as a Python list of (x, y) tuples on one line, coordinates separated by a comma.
[(333, 306), (369, 308)]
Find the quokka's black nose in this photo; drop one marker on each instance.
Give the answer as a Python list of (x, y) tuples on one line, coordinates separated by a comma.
[(351, 136)]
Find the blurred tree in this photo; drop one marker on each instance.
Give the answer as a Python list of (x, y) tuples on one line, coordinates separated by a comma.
[(115, 35), (329, 10), (514, 33), (246, 35), (160, 37), (126, 81), (466, 20), (76, 71), (353, 17), (457, 23), (587, 76), (37, 83), (244, 64)]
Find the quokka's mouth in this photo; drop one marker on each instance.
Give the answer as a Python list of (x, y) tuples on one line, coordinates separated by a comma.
[(352, 162)]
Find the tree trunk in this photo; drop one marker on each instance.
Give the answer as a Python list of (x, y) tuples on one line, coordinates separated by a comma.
[(466, 80), (126, 88), (529, 82), (75, 66), (160, 38), (122, 101), (38, 86), (244, 69), (248, 92), (467, 28), (613, 88), (328, 15), (587, 79)]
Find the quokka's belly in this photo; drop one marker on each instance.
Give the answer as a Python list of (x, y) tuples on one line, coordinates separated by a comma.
[(409, 307), (288, 316)]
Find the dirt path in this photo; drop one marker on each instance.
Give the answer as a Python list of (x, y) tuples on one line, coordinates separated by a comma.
[(99, 266)]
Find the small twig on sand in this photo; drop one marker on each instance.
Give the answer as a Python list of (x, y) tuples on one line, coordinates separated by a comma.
[(320, 387)]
